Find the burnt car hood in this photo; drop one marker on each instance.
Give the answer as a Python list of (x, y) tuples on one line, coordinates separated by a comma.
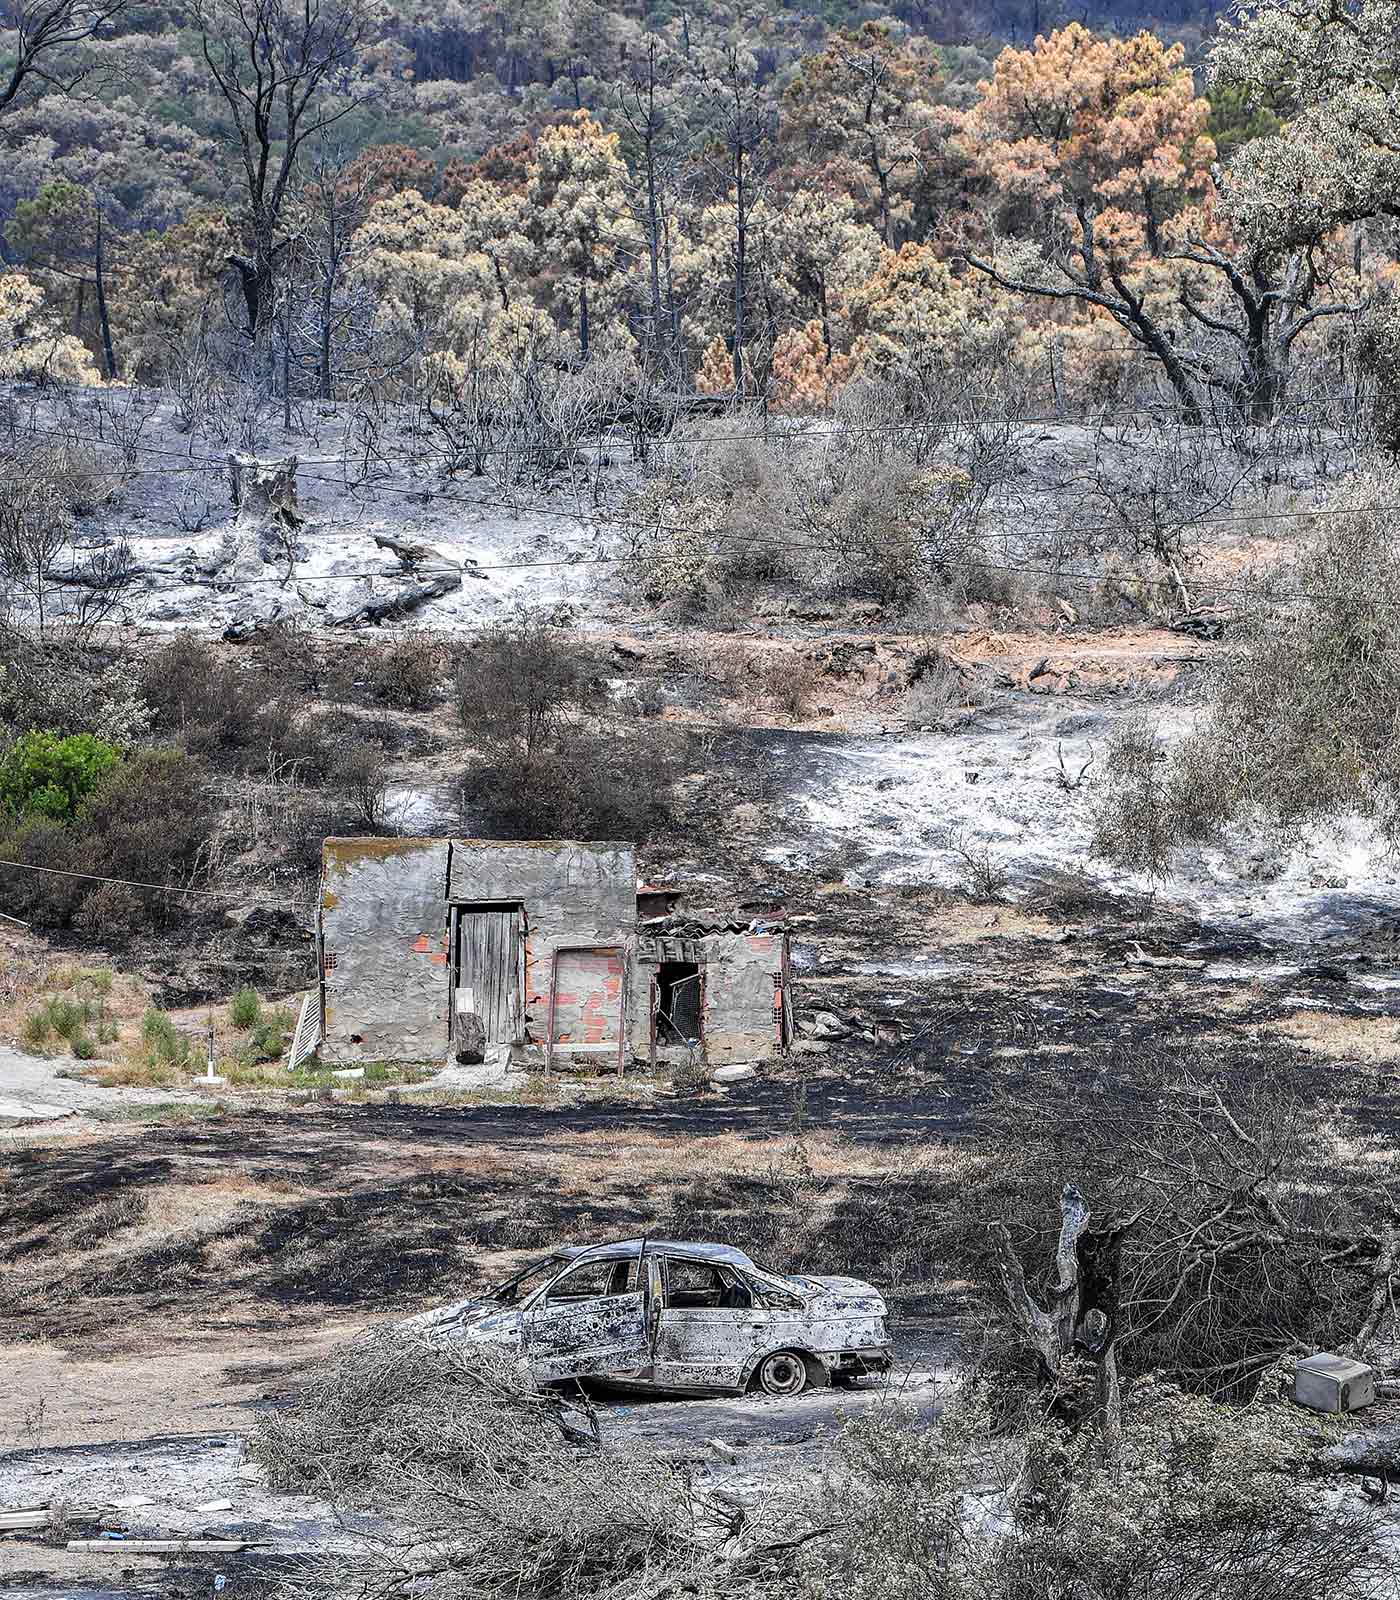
[(838, 1295), (477, 1321)]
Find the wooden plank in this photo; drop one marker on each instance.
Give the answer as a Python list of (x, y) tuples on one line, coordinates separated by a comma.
[(549, 1035), (622, 1017)]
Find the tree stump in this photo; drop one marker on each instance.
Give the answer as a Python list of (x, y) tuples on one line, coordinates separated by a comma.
[(265, 499), (471, 1039)]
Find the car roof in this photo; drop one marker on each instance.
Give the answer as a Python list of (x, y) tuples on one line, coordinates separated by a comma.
[(618, 1249)]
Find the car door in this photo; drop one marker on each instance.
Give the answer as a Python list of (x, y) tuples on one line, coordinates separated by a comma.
[(590, 1321), (711, 1325)]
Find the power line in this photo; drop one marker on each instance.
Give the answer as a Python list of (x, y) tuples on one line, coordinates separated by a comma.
[(162, 888), (796, 433), (615, 521), (482, 502)]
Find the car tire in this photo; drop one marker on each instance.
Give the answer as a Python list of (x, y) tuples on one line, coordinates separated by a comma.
[(783, 1374)]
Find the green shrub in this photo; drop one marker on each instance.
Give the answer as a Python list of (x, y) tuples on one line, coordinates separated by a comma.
[(148, 820), (164, 1041), (70, 1020), (47, 775), (35, 1030), (269, 1039), (245, 1009), (67, 1018)]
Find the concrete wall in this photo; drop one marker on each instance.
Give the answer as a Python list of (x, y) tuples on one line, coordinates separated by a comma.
[(384, 917), (573, 894), (741, 1018), (384, 936)]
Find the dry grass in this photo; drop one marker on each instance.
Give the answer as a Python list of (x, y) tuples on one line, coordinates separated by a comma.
[(1326, 1033), (32, 979), (392, 1214)]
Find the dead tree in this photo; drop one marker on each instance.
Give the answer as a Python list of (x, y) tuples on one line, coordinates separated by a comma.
[(286, 73), (1248, 1241), (741, 111), (1080, 1324), (47, 37), (1234, 338)]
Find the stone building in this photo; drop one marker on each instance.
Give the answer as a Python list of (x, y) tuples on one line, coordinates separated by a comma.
[(550, 948)]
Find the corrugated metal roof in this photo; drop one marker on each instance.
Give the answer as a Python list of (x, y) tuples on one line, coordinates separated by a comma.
[(689, 925)]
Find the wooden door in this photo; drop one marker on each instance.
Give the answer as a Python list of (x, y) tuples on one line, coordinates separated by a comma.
[(488, 946)]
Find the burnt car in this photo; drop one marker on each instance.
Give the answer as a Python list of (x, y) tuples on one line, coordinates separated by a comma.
[(674, 1317)]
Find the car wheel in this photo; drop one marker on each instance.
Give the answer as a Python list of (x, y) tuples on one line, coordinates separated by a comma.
[(782, 1373)]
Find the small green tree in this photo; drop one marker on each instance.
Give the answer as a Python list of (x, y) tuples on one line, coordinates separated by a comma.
[(43, 774)]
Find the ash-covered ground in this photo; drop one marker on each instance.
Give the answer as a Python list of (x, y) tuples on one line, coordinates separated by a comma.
[(174, 1260)]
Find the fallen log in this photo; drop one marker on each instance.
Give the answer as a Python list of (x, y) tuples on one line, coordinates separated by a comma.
[(161, 1547), (400, 604), (410, 554)]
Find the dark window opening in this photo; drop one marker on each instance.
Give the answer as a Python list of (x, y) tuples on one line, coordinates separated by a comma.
[(594, 1280), (697, 1286), (678, 1003)]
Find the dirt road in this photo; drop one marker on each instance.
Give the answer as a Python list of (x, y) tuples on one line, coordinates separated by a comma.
[(37, 1089), (740, 1447)]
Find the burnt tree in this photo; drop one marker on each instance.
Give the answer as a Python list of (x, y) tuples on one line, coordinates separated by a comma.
[(286, 73)]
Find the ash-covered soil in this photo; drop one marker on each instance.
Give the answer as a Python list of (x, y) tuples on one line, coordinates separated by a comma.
[(163, 1279)]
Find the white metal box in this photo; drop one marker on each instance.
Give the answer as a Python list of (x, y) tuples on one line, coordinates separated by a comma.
[(1326, 1382)]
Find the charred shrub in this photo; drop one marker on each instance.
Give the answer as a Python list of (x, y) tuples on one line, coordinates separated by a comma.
[(613, 784), (523, 686), (149, 820), (408, 675), (220, 711), (65, 689), (418, 1429), (358, 773), (547, 766)]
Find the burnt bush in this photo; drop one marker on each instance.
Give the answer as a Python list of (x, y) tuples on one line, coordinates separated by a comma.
[(548, 766), (421, 1429), (149, 820), (408, 675), (63, 688), (613, 784), (524, 685), (220, 711), (1254, 1223)]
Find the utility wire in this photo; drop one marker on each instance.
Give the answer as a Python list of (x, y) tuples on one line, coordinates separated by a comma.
[(614, 521), (796, 432), (161, 888)]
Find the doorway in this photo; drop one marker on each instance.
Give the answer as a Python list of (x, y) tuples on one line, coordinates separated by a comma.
[(679, 1002), (488, 967)]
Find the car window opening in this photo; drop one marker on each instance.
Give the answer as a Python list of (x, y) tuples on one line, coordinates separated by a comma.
[(526, 1281), (594, 1280), (698, 1286)]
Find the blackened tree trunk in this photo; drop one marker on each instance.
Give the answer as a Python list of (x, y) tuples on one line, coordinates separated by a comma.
[(104, 321), (275, 63)]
